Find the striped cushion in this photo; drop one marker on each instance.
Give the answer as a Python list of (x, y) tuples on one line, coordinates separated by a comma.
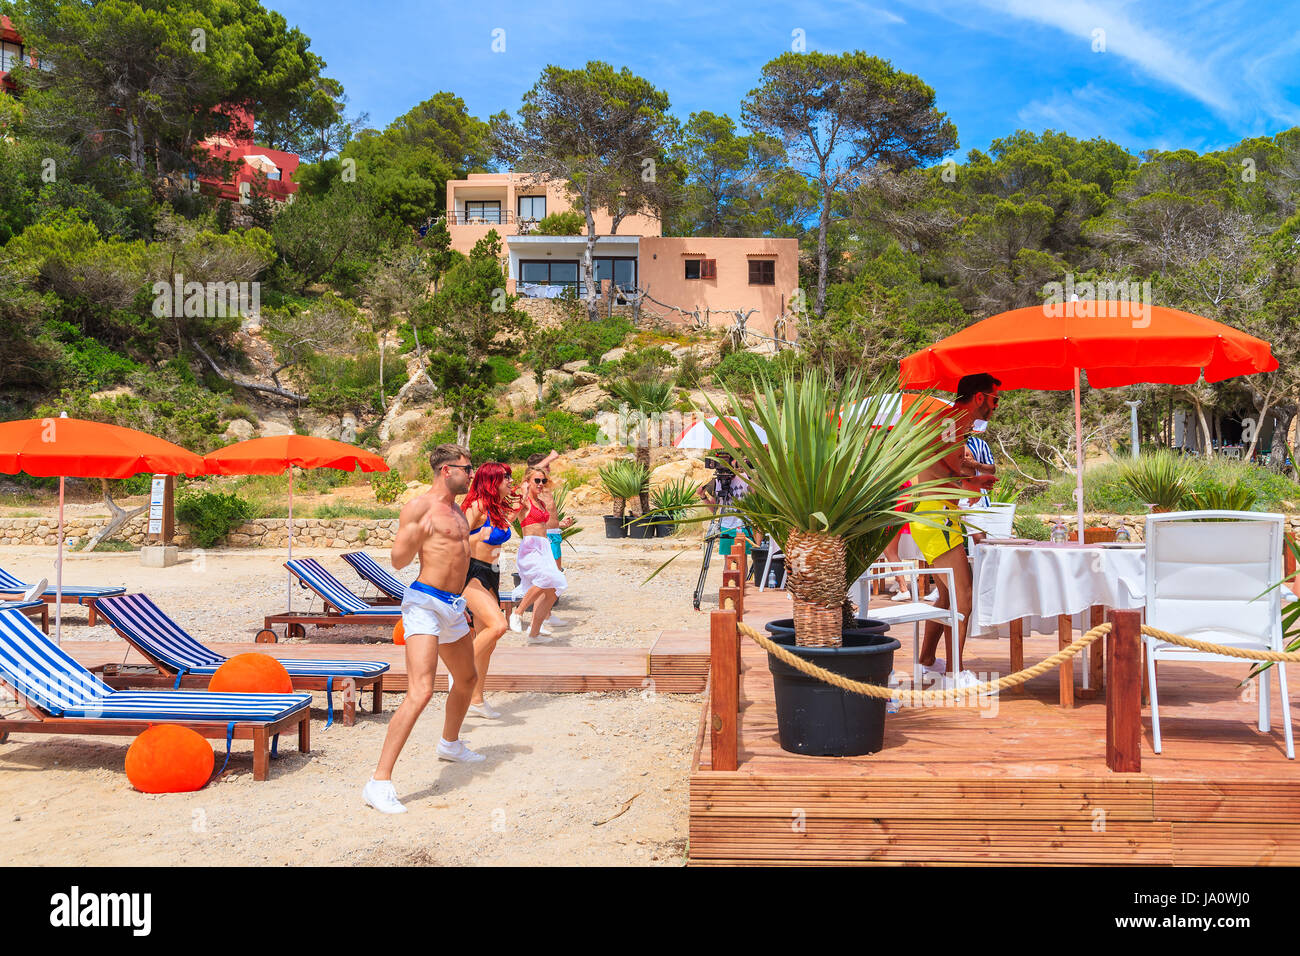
[(191, 705), (142, 623), (43, 672), (149, 629), (372, 571), (20, 605), (311, 574), (11, 585)]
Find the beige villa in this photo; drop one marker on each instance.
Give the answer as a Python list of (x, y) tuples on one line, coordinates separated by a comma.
[(715, 277)]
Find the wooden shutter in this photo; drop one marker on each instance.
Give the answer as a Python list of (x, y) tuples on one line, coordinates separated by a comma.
[(708, 268)]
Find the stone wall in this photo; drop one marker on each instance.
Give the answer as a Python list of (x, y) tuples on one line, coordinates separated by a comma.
[(260, 533)]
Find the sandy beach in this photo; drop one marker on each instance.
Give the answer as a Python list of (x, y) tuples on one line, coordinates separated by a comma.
[(593, 778)]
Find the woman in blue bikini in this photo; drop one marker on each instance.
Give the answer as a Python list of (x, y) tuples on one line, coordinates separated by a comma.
[(490, 506)]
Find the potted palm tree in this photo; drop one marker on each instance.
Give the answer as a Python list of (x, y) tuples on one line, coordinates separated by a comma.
[(826, 490), (671, 502), (643, 400), (621, 480)]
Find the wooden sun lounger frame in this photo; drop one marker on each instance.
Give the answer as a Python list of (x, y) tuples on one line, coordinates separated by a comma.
[(49, 599), (122, 678), (259, 732)]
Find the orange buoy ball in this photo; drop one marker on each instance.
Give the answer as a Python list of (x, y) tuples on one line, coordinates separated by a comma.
[(168, 758), (399, 633), (251, 673)]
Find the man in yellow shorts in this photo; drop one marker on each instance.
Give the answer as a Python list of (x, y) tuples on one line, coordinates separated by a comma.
[(941, 537)]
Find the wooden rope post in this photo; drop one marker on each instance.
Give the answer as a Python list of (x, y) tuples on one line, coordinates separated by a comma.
[(1124, 692), (742, 559), (1017, 628), (724, 677), (736, 596)]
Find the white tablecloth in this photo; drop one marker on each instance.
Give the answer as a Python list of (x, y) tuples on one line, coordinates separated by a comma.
[(1043, 580)]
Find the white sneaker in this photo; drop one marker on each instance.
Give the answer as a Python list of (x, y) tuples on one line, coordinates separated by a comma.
[(545, 630), (381, 795), (940, 666), (485, 710), (516, 622), (963, 680), (933, 595), (458, 753), (902, 595), (539, 639), (36, 590), (557, 621)]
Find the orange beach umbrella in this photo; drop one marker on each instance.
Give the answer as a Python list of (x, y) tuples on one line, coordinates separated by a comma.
[(1116, 342), (277, 453), (72, 448)]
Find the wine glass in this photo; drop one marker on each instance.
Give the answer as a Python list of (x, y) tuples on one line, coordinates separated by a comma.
[(1123, 535), (1060, 534)]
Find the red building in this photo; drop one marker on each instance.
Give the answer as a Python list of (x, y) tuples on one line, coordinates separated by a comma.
[(11, 53), (269, 170)]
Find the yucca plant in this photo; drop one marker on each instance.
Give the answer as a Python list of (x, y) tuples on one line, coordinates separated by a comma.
[(1237, 496), (826, 489), (623, 479), (672, 500), (1161, 479), (560, 496)]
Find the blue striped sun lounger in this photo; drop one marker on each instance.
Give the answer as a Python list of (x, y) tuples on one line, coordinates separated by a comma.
[(373, 572), (170, 648), (72, 593), (333, 592), (63, 697)]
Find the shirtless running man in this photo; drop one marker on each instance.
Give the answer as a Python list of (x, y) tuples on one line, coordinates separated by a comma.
[(433, 616), (945, 546)]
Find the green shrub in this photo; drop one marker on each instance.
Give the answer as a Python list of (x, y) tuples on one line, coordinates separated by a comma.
[(1238, 496), (211, 515), (1031, 527), (567, 223), (387, 486), (504, 371), (353, 511), (739, 369), (508, 440)]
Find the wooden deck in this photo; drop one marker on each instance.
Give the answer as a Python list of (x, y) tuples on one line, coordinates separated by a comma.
[(677, 663), (1020, 781)]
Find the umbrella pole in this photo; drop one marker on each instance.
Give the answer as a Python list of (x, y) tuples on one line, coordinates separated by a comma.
[(1078, 454), (288, 581), (58, 575)]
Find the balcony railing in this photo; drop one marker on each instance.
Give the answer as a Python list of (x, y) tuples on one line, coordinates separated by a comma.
[(489, 217)]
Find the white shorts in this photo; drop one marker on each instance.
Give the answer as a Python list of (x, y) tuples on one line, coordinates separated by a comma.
[(424, 613), (537, 568)]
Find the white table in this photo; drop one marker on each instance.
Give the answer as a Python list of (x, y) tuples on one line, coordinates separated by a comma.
[(1015, 580)]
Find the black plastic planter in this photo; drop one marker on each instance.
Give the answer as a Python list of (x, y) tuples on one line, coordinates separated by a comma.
[(665, 529), (819, 720), (614, 526), (639, 527)]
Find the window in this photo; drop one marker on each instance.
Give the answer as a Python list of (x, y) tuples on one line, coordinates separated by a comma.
[(487, 210), (701, 268), (618, 268), (532, 207), (762, 272), (11, 55), (546, 272), (692, 268)]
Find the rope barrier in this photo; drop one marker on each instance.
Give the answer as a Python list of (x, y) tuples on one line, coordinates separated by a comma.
[(922, 696), (1002, 683), (1282, 657)]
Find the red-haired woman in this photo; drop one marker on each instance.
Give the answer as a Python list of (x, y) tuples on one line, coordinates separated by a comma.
[(490, 506)]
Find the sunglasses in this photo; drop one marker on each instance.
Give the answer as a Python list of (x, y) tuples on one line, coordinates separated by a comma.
[(469, 469), (541, 481)]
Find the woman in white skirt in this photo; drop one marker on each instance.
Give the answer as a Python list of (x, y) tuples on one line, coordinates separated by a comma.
[(541, 582)]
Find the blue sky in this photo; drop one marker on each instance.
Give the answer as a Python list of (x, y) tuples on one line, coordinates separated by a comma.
[(1172, 74)]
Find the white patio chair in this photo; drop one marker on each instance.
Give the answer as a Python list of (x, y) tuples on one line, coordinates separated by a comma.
[(1213, 581), (912, 612)]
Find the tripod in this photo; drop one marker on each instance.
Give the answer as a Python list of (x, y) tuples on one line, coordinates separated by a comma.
[(710, 537)]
